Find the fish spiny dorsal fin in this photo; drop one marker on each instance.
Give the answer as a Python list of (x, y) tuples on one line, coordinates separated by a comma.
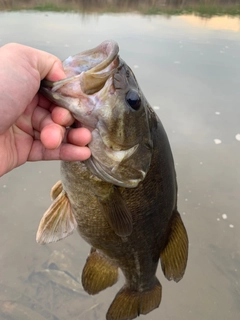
[(56, 190), (117, 213), (175, 254), (129, 304), (58, 221), (98, 273)]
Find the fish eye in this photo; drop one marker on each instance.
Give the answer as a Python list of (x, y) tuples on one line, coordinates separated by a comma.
[(133, 99)]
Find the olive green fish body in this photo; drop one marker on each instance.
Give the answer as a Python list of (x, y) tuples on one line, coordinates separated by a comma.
[(152, 205), (123, 200)]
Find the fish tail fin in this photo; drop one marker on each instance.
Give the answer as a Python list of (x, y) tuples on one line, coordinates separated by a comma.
[(129, 304), (175, 254), (98, 273)]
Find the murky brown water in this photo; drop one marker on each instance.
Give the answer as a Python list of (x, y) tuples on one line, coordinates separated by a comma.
[(189, 70)]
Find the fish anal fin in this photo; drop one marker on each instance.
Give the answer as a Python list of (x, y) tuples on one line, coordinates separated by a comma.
[(117, 213), (175, 254), (56, 190), (129, 304), (58, 221), (98, 273)]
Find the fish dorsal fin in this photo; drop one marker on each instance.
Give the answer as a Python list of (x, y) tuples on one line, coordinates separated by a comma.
[(58, 221), (175, 254), (117, 213)]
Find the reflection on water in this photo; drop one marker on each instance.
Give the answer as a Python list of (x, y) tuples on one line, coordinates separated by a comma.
[(215, 23), (169, 7), (189, 72)]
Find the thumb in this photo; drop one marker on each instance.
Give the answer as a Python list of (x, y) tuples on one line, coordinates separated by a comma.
[(49, 66)]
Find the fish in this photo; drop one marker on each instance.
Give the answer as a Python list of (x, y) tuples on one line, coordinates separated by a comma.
[(123, 199)]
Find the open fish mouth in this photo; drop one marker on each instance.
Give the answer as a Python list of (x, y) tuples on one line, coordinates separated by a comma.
[(96, 92), (91, 69)]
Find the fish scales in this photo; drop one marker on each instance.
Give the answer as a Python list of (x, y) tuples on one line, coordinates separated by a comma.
[(123, 200)]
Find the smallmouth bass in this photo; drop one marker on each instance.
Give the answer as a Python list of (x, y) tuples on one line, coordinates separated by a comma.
[(123, 200)]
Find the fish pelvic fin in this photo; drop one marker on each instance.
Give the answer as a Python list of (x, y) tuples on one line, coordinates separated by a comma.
[(117, 214), (98, 273), (129, 304), (175, 254), (58, 221), (56, 190)]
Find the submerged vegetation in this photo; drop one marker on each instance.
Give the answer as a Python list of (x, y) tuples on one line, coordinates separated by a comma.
[(169, 7)]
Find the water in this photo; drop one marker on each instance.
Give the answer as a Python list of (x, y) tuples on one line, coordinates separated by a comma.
[(189, 71)]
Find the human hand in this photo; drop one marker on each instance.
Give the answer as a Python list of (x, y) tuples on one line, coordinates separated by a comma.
[(31, 127)]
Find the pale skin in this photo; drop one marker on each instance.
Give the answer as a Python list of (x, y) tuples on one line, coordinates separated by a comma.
[(31, 127)]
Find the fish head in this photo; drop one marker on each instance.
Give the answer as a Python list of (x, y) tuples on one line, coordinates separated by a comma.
[(121, 146), (103, 95)]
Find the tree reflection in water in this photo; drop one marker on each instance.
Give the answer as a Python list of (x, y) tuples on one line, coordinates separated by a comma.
[(169, 7)]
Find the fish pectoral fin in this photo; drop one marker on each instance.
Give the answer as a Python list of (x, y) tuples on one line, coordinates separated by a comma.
[(56, 190), (58, 221), (129, 304), (175, 254), (98, 273), (117, 213)]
